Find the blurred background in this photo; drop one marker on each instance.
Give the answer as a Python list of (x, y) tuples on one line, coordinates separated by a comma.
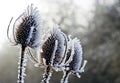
[(95, 22)]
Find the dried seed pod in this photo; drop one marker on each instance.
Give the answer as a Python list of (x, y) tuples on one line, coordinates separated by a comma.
[(53, 48), (52, 51), (76, 62), (28, 28)]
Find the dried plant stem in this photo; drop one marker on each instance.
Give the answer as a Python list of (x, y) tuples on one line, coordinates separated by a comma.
[(22, 64), (47, 74), (65, 77)]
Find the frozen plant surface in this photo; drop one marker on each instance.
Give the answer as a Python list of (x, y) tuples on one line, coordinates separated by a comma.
[(61, 53), (53, 51), (56, 51), (74, 66)]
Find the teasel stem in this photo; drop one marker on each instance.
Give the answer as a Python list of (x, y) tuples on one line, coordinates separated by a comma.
[(22, 64), (47, 74), (65, 77)]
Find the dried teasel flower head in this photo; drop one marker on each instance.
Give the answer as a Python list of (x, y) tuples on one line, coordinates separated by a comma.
[(76, 62), (26, 32), (73, 60), (53, 51), (28, 28), (54, 47)]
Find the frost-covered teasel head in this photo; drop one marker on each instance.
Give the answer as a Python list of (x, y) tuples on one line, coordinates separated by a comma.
[(28, 28), (54, 47), (26, 32), (53, 51), (73, 60), (75, 64)]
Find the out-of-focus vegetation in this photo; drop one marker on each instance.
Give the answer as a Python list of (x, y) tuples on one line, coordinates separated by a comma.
[(100, 39)]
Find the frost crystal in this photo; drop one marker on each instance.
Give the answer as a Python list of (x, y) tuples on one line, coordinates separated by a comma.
[(53, 49)]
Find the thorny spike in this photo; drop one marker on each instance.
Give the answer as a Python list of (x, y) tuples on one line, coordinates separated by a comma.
[(28, 28), (59, 52), (59, 35)]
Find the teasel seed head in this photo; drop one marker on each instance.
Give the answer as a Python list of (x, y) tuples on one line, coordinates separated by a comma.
[(54, 47), (26, 32), (28, 28), (75, 64), (73, 60)]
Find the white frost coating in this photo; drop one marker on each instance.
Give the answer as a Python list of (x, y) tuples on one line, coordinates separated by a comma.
[(36, 15), (61, 41), (30, 34), (23, 69), (82, 68), (44, 61), (71, 44), (78, 75), (53, 54), (78, 45)]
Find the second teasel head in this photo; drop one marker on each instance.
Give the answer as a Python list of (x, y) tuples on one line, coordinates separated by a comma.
[(28, 28), (54, 46)]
